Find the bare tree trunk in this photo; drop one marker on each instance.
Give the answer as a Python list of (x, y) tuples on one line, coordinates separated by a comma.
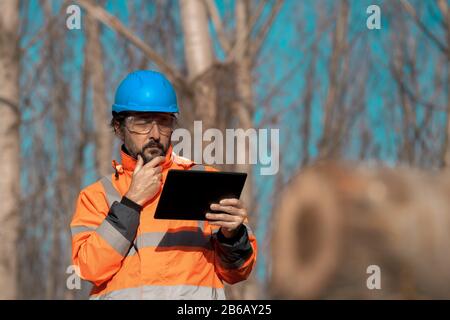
[(243, 109), (326, 146), (199, 59), (443, 6), (444, 47), (102, 134), (400, 60), (9, 146), (243, 105), (307, 102), (57, 100), (78, 169)]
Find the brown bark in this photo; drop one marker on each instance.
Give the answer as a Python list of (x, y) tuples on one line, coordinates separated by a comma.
[(327, 147), (199, 59), (242, 108), (445, 11), (307, 102), (243, 105), (10, 146), (58, 98), (102, 134), (412, 12), (444, 47), (217, 21), (403, 46), (104, 17), (335, 220)]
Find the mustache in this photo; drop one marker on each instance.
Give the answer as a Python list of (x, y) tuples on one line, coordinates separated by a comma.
[(153, 144)]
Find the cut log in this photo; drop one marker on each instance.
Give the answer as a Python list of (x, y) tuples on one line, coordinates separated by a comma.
[(333, 221)]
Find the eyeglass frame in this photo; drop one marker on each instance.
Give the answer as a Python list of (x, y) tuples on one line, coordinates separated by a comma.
[(153, 122)]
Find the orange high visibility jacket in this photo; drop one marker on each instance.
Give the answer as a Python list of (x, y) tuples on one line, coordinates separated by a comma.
[(127, 254)]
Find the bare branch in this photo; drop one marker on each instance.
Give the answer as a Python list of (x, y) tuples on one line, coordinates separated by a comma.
[(255, 17), (335, 76), (261, 36), (112, 22), (43, 30), (218, 26), (412, 12), (249, 28), (103, 135), (255, 46), (443, 7)]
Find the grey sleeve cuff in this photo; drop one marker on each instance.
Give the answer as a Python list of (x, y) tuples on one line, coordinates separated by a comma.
[(235, 251), (124, 219)]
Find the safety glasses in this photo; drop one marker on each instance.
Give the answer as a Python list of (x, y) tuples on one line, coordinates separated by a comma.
[(144, 124)]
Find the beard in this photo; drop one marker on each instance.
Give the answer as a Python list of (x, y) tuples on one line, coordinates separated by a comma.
[(152, 150)]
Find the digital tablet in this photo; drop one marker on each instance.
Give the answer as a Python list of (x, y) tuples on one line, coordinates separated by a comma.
[(188, 194)]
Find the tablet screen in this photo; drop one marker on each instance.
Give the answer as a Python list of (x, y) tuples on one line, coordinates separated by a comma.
[(188, 194)]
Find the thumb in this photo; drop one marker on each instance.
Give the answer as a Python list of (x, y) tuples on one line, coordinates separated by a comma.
[(139, 164)]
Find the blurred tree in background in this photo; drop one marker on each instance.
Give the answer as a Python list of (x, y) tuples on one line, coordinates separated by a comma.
[(10, 146)]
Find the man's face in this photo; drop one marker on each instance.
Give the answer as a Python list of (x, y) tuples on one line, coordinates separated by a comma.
[(147, 134)]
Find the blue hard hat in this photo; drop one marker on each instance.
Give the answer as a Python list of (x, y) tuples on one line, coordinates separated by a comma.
[(145, 91)]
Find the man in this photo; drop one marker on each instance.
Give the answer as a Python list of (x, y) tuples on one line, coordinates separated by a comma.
[(116, 242)]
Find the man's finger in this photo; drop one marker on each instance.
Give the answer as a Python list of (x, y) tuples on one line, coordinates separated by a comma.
[(221, 217), (224, 224), (153, 171), (232, 202), (154, 162), (227, 209), (139, 163), (157, 170)]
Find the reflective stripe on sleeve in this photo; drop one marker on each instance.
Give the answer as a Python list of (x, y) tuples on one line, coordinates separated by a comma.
[(111, 193), (78, 229), (177, 292), (113, 237)]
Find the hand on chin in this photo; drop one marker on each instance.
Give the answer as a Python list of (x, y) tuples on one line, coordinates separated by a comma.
[(151, 153)]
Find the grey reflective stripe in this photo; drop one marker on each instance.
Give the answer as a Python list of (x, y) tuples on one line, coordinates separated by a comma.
[(177, 292), (78, 229), (198, 167), (111, 193), (132, 251), (201, 226), (173, 239), (249, 230), (113, 237)]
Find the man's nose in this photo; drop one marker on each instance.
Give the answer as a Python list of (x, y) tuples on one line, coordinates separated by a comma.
[(154, 132)]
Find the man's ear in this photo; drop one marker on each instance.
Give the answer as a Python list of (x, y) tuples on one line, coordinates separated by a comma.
[(118, 131)]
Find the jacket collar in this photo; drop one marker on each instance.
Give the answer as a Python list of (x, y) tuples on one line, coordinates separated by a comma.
[(129, 163)]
